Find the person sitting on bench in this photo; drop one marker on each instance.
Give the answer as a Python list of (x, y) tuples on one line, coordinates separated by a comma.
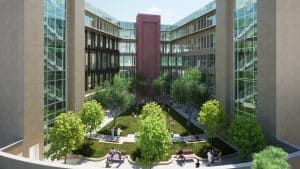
[(181, 155), (111, 155), (120, 155)]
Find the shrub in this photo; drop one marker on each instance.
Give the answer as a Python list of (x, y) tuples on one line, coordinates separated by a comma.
[(270, 158), (246, 133)]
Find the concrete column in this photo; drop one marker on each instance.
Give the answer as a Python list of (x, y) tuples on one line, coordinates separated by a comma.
[(278, 71), (21, 74), (288, 71), (266, 68), (75, 55), (224, 55)]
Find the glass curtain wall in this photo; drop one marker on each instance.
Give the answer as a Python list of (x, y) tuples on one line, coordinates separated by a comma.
[(245, 56), (54, 61), (127, 48)]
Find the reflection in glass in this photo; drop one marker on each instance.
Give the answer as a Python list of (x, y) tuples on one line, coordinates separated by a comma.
[(245, 28)]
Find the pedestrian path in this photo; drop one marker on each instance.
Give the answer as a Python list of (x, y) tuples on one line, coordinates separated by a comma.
[(130, 138)]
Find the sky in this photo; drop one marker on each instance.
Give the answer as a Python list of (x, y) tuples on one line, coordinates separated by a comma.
[(171, 11)]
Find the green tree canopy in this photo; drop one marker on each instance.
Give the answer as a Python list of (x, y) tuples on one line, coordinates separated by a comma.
[(270, 158), (66, 135), (150, 109), (212, 115), (154, 139), (246, 133), (188, 90), (92, 115), (115, 96), (162, 84), (139, 84)]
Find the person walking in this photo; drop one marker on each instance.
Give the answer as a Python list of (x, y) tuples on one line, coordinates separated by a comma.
[(209, 157), (113, 133), (197, 163), (219, 155)]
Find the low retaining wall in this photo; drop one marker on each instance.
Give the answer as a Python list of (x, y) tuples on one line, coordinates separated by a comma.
[(8, 161), (294, 160)]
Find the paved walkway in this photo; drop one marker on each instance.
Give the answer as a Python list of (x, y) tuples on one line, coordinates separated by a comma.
[(127, 165), (130, 138)]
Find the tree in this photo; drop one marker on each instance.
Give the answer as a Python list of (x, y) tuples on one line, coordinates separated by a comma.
[(116, 96), (140, 85), (66, 135), (162, 84), (154, 139), (92, 115), (246, 133), (212, 115), (151, 108), (188, 91), (270, 158)]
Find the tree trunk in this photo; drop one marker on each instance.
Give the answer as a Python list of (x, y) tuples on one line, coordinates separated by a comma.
[(114, 120), (114, 116), (65, 162), (113, 113)]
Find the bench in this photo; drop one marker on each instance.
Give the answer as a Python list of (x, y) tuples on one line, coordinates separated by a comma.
[(116, 157), (187, 154)]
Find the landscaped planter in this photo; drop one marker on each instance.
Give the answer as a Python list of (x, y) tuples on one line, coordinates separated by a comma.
[(160, 163)]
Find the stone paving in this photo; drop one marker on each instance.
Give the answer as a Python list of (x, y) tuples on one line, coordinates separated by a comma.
[(130, 138)]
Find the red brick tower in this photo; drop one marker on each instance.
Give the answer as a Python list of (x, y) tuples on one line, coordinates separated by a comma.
[(148, 46)]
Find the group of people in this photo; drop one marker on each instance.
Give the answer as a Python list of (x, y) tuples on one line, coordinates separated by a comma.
[(181, 157), (214, 154), (112, 153)]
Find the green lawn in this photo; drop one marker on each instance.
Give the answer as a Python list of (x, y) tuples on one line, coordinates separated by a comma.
[(95, 149), (129, 124)]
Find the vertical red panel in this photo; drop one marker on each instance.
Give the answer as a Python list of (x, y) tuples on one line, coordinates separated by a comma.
[(148, 46)]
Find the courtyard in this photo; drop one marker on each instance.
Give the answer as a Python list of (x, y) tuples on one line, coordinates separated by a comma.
[(96, 146)]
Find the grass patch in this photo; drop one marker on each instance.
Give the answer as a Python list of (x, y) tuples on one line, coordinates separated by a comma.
[(101, 149), (180, 124), (130, 124), (97, 149), (126, 122)]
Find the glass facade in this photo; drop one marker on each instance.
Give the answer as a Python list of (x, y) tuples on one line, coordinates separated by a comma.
[(127, 30), (127, 47), (91, 8), (245, 56), (208, 20), (54, 61), (206, 9), (188, 43), (98, 23)]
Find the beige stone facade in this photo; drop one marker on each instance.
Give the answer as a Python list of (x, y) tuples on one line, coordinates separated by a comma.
[(22, 73)]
